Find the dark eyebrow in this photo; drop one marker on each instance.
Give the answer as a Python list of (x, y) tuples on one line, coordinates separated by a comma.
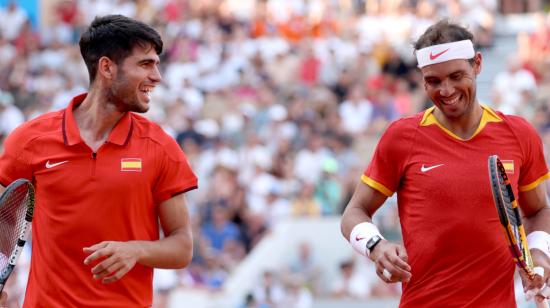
[(459, 71), (148, 61)]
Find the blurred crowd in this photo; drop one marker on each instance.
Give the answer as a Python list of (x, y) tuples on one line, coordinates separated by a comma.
[(277, 104)]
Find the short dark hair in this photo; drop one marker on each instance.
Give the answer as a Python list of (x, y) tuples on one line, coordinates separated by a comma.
[(442, 32), (115, 36)]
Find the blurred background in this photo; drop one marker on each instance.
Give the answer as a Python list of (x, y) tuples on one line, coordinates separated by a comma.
[(278, 105)]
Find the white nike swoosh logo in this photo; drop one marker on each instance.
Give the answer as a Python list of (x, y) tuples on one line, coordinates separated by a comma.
[(426, 169), (48, 165)]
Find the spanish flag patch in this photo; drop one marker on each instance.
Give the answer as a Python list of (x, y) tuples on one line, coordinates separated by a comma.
[(508, 166), (130, 164)]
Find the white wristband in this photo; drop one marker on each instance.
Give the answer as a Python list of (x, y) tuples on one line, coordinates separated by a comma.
[(539, 240), (361, 234)]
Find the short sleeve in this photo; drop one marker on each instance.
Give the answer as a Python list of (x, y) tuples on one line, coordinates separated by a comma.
[(533, 168), (386, 167), (174, 175), (15, 160)]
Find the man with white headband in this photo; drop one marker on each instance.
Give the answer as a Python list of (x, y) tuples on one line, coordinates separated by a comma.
[(454, 253)]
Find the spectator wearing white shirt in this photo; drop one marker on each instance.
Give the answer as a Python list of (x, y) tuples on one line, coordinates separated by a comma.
[(356, 112), (10, 115), (13, 19), (514, 88)]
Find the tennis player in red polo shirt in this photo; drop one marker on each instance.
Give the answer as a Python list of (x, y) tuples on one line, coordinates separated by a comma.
[(453, 253), (105, 177)]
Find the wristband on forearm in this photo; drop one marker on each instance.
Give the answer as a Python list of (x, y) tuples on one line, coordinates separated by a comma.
[(363, 234), (539, 240)]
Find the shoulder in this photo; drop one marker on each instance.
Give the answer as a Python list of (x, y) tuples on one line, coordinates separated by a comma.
[(42, 125), (516, 123), (404, 127), (148, 130)]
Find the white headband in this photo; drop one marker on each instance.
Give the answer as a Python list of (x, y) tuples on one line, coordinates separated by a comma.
[(445, 52)]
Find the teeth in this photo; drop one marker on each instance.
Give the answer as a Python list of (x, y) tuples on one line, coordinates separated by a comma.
[(451, 101)]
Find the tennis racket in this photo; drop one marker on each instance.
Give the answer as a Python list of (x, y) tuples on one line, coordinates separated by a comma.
[(16, 212), (508, 213)]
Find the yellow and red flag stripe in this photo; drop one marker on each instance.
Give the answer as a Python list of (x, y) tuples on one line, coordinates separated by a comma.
[(130, 164), (508, 166)]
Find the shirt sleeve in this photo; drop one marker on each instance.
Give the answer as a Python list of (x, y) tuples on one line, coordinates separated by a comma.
[(533, 169), (386, 167), (15, 160), (175, 175)]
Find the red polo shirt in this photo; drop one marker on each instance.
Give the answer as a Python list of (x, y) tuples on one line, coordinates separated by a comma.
[(454, 240), (83, 198)]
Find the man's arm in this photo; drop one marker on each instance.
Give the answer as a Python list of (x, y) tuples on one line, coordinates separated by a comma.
[(389, 256), (175, 250), (537, 218), (535, 208)]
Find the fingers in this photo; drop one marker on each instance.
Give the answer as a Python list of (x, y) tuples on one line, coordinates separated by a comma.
[(3, 300), (105, 268), (116, 276), (545, 292), (392, 272), (95, 247), (98, 251), (535, 288), (109, 272), (115, 259), (397, 265), (392, 267), (402, 253)]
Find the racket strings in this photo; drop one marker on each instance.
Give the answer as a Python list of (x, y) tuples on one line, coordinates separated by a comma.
[(13, 207), (509, 214)]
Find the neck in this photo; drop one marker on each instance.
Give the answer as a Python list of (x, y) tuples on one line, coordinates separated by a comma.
[(464, 126), (95, 118)]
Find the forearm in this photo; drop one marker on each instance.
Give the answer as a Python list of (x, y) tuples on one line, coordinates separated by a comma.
[(364, 202), (352, 216), (171, 252), (535, 208), (539, 221)]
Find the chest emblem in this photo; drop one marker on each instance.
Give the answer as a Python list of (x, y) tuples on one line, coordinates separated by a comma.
[(425, 168), (508, 166), (130, 165), (53, 165)]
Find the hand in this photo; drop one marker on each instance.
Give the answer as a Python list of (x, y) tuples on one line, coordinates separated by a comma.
[(115, 259), (535, 286), (3, 300), (392, 258)]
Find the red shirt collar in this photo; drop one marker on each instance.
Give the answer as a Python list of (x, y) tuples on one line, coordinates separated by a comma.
[(71, 135)]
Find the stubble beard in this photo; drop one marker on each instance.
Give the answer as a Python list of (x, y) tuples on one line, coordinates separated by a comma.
[(124, 98)]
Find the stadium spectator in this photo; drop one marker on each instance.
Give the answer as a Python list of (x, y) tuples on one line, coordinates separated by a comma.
[(270, 291), (13, 19), (514, 89), (220, 230), (10, 116), (350, 284), (305, 269)]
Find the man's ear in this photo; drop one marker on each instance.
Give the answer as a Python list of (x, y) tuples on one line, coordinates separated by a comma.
[(478, 59), (106, 68)]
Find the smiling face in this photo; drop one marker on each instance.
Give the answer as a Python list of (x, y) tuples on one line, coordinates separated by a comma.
[(135, 78), (451, 86)]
